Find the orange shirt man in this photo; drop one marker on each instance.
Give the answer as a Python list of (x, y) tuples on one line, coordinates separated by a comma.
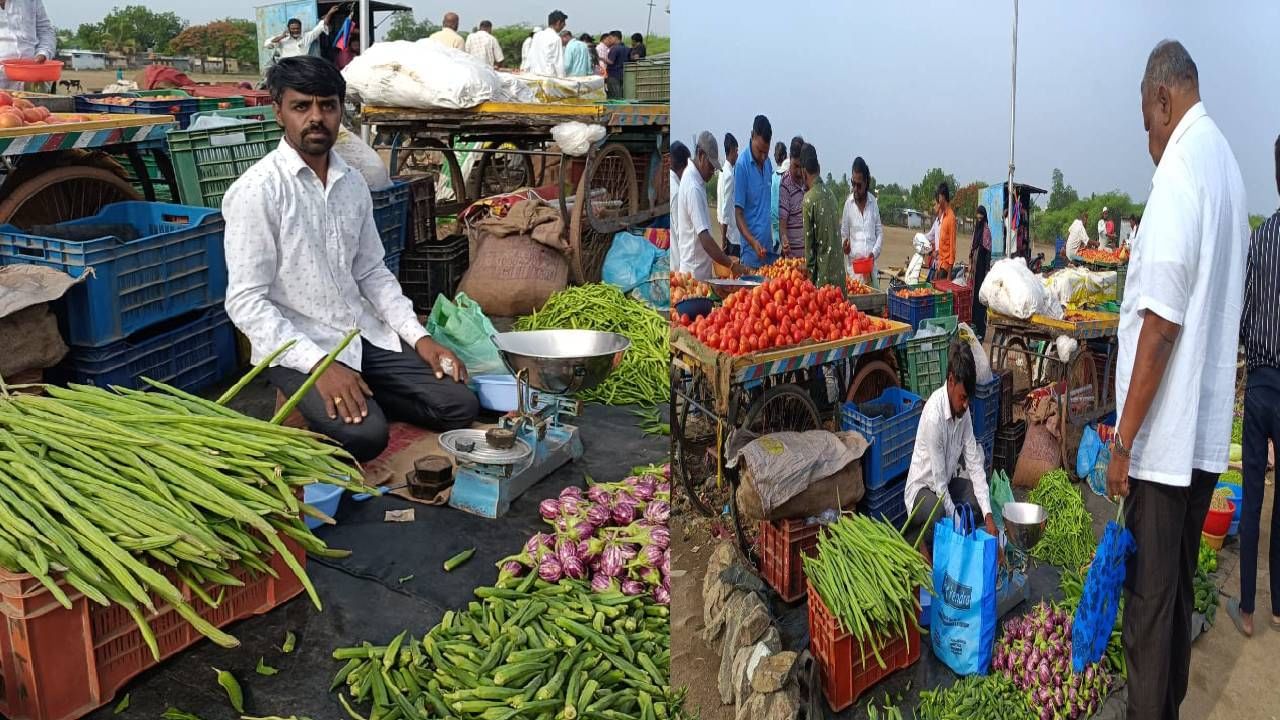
[(946, 233)]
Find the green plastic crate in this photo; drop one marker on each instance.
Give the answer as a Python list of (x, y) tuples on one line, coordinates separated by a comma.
[(207, 162), (944, 305), (205, 104), (949, 323), (1121, 273), (922, 364), (153, 172), (647, 80), (160, 93)]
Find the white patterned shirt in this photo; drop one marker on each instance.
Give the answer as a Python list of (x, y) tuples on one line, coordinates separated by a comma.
[(941, 442), (25, 31), (291, 47), (305, 263)]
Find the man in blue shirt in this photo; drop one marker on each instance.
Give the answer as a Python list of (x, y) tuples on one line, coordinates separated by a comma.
[(753, 196), (618, 54)]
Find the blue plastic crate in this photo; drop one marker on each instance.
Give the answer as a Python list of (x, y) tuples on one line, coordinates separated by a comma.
[(181, 109), (889, 498), (889, 422), (176, 265), (988, 445), (391, 216), (393, 264), (984, 408), (912, 311), (190, 353)]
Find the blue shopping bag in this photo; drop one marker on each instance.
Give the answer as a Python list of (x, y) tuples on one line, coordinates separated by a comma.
[(962, 624)]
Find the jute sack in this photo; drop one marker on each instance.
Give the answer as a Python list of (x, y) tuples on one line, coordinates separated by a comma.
[(842, 488), (513, 275)]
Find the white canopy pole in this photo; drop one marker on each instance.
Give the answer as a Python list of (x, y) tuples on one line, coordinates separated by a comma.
[(1009, 241), (366, 39)]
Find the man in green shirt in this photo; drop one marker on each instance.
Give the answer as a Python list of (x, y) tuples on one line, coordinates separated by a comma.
[(823, 251)]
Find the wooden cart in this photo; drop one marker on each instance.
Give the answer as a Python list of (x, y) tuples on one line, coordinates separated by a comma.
[(714, 394), (620, 183), (54, 173), (1084, 382)]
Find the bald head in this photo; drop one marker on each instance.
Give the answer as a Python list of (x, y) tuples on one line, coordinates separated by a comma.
[(451, 21), (1170, 87)]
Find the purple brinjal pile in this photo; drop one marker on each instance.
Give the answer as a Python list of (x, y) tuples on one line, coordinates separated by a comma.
[(1035, 652), (613, 535)]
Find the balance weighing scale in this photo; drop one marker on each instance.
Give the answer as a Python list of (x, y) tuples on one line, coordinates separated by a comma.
[(1023, 527), (497, 465)]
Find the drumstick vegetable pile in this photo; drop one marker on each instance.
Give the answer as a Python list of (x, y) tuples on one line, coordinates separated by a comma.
[(102, 489)]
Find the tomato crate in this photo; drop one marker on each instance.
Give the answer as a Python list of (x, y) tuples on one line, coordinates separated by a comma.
[(143, 103), (846, 673), (922, 364), (912, 310), (783, 545), (150, 262), (391, 216), (962, 298), (984, 407), (247, 98), (889, 422), (60, 664)]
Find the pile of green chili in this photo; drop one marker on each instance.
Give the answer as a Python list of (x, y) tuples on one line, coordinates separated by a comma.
[(990, 697), (643, 378), (1068, 539)]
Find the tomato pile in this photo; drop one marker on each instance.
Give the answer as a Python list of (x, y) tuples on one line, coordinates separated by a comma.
[(783, 268), (853, 286), (916, 292), (684, 286), (1106, 257), (781, 312)]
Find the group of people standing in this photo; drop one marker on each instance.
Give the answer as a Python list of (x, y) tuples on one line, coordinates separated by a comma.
[(768, 209), (554, 51), (1078, 237)]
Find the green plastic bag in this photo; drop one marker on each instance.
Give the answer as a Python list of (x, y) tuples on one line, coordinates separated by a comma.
[(1001, 493), (461, 326)]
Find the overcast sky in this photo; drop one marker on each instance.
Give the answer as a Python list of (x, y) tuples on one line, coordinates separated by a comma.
[(921, 84), (590, 16)]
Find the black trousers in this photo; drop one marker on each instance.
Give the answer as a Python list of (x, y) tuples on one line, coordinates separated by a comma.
[(1261, 423), (1166, 523), (928, 504), (613, 87), (404, 388), (978, 273)]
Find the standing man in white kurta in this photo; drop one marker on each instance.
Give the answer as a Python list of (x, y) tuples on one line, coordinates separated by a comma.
[(25, 34), (1175, 379)]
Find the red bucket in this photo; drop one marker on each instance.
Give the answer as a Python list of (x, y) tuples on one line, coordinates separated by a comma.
[(1217, 522), (864, 266)]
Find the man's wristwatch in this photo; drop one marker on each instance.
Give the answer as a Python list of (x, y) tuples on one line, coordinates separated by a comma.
[(1118, 446)]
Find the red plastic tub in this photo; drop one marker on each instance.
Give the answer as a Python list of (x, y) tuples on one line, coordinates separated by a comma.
[(1218, 522), (846, 674), (864, 266), (32, 71), (783, 546)]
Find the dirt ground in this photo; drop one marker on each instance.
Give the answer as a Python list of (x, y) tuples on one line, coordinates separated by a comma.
[(1231, 676), (95, 80)]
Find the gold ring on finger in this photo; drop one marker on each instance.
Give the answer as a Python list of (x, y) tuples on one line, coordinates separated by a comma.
[(337, 401)]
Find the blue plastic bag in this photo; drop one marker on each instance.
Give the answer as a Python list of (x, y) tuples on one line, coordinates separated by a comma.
[(1100, 601), (963, 619), (1087, 455), (640, 270)]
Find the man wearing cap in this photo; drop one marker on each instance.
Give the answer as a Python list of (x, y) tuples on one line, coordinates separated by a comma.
[(1102, 229), (698, 250)]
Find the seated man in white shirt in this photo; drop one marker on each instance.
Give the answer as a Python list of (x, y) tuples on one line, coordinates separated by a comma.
[(936, 484), (305, 264), (1078, 237)]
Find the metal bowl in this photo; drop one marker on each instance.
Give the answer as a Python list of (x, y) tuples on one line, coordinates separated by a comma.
[(1024, 523), (724, 287), (562, 362)]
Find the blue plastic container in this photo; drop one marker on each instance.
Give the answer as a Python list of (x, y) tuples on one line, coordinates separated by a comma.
[(887, 501), (1237, 497), (323, 497), (181, 109), (984, 407), (912, 310), (190, 353), (391, 216), (176, 265), (889, 422)]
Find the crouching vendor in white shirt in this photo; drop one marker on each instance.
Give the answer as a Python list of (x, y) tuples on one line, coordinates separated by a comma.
[(305, 263), (945, 436)]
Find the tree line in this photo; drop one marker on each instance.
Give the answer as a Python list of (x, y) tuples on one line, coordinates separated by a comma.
[(138, 29)]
